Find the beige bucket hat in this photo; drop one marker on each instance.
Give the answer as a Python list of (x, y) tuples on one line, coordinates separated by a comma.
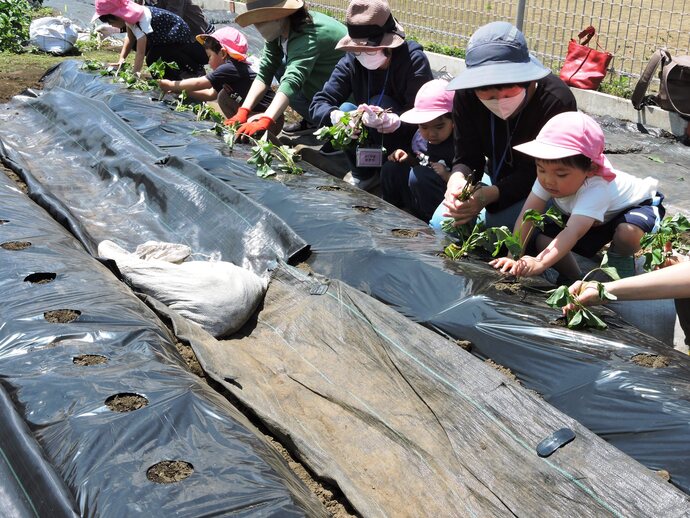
[(370, 26)]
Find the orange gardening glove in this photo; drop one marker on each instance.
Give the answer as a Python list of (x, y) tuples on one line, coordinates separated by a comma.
[(249, 128), (241, 116)]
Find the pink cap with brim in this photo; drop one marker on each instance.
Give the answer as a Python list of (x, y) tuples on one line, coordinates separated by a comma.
[(432, 101), (232, 40), (129, 11), (569, 134)]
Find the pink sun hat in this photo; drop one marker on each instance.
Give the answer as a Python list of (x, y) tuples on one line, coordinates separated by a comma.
[(570, 134), (232, 40), (432, 101), (129, 11)]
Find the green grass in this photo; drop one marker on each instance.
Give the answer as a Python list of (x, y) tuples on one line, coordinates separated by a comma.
[(10, 60)]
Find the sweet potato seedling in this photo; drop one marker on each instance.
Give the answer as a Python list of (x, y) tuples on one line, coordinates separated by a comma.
[(345, 133), (582, 317), (657, 248)]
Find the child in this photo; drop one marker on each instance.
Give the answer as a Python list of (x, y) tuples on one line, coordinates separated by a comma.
[(157, 33), (420, 184), (227, 55), (601, 205)]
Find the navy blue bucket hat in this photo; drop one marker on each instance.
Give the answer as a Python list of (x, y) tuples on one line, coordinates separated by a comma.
[(497, 54)]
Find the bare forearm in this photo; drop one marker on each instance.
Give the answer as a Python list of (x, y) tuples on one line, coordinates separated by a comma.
[(672, 282), (256, 92)]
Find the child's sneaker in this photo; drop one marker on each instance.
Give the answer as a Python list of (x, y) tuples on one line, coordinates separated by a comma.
[(624, 264)]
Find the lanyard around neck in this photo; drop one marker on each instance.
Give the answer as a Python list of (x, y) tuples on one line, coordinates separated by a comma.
[(383, 90), (496, 169)]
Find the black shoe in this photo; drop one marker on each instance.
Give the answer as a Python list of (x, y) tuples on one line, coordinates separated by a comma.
[(299, 128), (328, 150)]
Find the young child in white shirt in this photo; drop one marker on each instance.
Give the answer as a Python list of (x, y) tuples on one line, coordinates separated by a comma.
[(600, 204)]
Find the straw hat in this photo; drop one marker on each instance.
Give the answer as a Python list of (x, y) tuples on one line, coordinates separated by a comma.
[(259, 11), (370, 26)]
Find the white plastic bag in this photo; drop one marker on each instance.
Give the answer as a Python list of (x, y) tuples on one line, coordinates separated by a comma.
[(219, 296), (55, 35)]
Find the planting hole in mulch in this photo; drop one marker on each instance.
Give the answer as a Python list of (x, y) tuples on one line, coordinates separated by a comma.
[(510, 288), (559, 321), (652, 361), (15, 245), (404, 232), (40, 278), (169, 471), (61, 316), (3, 221), (363, 208), (86, 360), (329, 188), (126, 402)]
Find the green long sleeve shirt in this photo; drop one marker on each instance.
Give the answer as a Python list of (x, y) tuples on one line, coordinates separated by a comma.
[(311, 57)]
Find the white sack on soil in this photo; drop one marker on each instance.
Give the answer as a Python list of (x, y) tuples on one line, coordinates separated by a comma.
[(217, 295), (53, 34)]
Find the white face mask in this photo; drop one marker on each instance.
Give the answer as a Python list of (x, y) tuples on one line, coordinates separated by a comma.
[(506, 106), (270, 30), (372, 61)]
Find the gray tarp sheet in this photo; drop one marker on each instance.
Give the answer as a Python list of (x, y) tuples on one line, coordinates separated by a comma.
[(102, 455)]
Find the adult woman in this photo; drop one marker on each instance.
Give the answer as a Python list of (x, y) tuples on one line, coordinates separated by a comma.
[(380, 71), (502, 99), (305, 42)]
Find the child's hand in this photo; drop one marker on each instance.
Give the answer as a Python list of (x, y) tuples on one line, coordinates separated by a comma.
[(441, 170), (504, 264), (526, 266), (398, 155)]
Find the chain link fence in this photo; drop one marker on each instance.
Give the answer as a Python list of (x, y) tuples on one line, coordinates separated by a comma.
[(630, 29)]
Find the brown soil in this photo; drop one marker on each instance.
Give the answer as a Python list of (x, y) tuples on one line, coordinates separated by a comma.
[(15, 245), (503, 370), (509, 288), (86, 360), (15, 81), (652, 361), (363, 208), (40, 278), (190, 358), (61, 316), (465, 344), (169, 471), (329, 188), (404, 232), (126, 402), (15, 178), (664, 474)]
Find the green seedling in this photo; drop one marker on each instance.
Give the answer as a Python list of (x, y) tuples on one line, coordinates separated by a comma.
[(469, 241), (582, 317), (206, 112), (158, 68), (92, 64), (345, 133), (181, 102), (263, 154), (513, 241), (657, 248)]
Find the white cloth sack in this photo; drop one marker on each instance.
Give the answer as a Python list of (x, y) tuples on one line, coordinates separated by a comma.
[(56, 35), (217, 295)]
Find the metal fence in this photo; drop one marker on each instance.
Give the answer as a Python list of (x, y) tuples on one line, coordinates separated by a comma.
[(630, 29)]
